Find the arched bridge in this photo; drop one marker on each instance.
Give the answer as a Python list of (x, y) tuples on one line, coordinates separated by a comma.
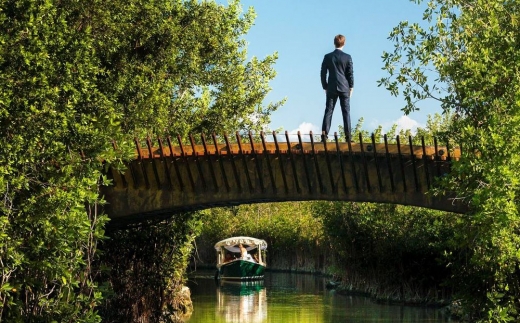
[(169, 176)]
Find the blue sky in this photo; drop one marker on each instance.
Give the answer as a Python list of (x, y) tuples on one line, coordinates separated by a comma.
[(302, 32)]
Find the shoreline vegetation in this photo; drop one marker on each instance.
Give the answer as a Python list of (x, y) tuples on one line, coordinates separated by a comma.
[(389, 253)]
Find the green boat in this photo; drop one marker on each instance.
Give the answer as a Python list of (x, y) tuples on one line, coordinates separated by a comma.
[(241, 258)]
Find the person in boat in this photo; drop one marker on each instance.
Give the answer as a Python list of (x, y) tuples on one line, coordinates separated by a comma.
[(243, 252), (229, 257)]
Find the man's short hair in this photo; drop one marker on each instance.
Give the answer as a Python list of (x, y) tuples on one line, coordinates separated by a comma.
[(339, 41)]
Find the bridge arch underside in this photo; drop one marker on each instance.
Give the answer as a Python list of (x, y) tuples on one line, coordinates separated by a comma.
[(160, 187)]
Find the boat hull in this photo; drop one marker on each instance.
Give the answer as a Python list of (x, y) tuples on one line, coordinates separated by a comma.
[(241, 270)]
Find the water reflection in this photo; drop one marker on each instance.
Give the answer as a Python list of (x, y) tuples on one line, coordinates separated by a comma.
[(242, 301), (293, 298)]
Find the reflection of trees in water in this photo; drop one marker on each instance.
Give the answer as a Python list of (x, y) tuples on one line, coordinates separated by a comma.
[(242, 301), (306, 283), (294, 298)]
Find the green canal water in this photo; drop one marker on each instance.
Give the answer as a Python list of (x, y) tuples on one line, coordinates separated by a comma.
[(293, 298)]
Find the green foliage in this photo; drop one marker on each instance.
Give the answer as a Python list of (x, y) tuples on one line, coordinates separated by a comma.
[(286, 227), (472, 46), (146, 266), (389, 250), (181, 66), (75, 75)]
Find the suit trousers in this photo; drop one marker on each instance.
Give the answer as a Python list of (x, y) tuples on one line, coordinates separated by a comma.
[(344, 102)]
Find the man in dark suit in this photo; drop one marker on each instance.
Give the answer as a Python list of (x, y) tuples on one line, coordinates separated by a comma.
[(340, 84)]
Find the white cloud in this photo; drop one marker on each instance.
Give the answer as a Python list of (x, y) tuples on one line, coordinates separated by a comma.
[(403, 123), (305, 128), (406, 123)]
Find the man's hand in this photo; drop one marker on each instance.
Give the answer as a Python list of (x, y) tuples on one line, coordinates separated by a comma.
[(351, 91)]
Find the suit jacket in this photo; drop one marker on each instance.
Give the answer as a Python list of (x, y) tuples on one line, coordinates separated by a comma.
[(341, 72)]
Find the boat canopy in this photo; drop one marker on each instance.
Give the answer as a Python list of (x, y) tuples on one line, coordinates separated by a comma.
[(249, 243)]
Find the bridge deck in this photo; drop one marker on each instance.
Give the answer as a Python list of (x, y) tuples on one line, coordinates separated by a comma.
[(166, 178), (168, 149)]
